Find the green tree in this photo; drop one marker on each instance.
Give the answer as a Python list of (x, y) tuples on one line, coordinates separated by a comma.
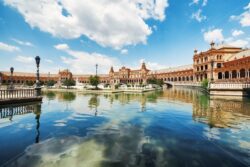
[(69, 82), (204, 83), (29, 83), (156, 81), (94, 80), (51, 83)]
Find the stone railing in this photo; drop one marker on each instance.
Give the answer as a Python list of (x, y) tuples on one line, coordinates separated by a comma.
[(229, 85), (194, 84), (17, 93)]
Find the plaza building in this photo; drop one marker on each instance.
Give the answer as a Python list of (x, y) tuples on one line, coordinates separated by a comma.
[(220, 63)]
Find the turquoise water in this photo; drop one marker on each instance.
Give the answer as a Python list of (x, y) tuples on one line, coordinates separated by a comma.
[(175, 127)]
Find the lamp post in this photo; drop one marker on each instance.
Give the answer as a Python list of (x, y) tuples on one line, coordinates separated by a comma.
[(212, 73), (11, 78), (37, 88), (96, 66)]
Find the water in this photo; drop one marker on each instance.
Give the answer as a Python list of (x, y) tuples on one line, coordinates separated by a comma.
[(176, 127)]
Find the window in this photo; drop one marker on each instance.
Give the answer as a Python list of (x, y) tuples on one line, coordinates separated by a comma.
[(218, 65), (205, 67)]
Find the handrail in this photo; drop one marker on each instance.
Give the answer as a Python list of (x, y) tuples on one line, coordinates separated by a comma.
[(17, 93)]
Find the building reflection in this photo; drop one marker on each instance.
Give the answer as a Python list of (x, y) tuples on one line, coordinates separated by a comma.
[(10, 111)]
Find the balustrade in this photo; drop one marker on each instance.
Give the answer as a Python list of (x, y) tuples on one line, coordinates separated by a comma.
[(17, 93)]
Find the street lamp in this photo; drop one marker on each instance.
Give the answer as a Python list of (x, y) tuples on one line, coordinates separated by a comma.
[(212, 67), (11, 78), (96, 66), (38, 88)]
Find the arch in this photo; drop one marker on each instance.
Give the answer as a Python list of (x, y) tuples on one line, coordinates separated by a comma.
[(242, 73), (234, 74), (220, 75), (179, 79), (226, 74), (187, 78), (183, 78)]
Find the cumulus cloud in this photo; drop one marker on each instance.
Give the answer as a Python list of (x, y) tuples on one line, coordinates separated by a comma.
[(236, 33), (244, 18), (109, 23), (238, 43), (152, 65), (198, 16), (214, 35), (24, 43), (8, 48), (84, 62)]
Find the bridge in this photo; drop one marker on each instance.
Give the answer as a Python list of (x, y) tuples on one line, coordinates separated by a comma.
[(187, 84), (218, 88)]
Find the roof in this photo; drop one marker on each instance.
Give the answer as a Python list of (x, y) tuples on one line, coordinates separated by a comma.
[(221, 46), (174, 69), (26, 74), (239, 55)]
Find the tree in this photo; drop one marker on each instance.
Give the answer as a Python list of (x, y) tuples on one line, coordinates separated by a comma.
[(156, 81), (51, 83), (94, 80), (69, 82), (29, 83), (204, 84)]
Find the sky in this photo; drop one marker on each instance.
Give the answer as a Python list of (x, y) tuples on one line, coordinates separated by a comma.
[(76, 35)]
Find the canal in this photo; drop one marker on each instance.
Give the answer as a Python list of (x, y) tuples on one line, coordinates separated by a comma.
[(175, 127)]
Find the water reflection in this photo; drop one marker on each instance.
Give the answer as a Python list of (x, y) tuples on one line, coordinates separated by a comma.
[(94, 103), (176, 127)]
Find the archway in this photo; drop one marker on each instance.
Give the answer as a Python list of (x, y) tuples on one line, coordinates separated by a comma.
[(226, 75), (234, 74), (220, 75), (242, 73)]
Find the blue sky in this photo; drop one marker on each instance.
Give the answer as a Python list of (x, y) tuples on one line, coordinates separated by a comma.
[(79, 34)]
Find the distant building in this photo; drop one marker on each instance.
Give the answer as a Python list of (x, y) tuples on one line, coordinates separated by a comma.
[(220, 63)]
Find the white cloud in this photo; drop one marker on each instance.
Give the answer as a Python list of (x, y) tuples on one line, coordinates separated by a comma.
[(236, 33), (109, 23), (62, 46), (198, 16), (8, 48), (24, 43), (84, 62), (152, 65), (48, 61), (214, 35), (243, 18), (194, 2), (124, 51), (25, 59), (238, 43), (204, 3)]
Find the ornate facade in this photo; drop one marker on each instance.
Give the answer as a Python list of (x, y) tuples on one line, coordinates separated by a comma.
[(220, 63)]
